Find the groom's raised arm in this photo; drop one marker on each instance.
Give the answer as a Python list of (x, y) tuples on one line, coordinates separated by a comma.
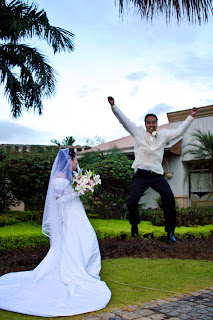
[(126, 123), (171, 134)]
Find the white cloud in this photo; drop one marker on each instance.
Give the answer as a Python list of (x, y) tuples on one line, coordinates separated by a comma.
[(134, 90), (160, 108), (85, 91), (135, 76), (14, 133)]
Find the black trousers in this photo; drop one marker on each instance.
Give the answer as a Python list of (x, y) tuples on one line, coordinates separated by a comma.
[(142, 180)]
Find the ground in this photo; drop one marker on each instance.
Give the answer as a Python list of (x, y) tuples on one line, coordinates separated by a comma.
[(28, 259)]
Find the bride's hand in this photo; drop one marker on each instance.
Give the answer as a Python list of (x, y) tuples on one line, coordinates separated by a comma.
[(111, 101)]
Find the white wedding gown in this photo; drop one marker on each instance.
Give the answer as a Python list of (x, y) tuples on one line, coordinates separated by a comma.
[(74, 287)]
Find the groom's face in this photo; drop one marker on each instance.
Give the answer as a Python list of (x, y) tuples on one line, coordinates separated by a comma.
[(151, 123)]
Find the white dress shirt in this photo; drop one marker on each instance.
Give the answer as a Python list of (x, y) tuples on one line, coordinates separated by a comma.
[(149, 150)]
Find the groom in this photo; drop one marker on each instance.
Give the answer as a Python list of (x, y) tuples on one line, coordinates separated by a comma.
[(149, 150)]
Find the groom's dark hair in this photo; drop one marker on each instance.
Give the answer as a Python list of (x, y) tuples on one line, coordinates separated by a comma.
[(151, 115)]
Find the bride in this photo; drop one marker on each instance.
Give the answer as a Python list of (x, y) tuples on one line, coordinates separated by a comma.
[(67, 281)]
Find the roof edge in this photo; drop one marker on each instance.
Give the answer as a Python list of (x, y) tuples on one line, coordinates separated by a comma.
[(182, 115)]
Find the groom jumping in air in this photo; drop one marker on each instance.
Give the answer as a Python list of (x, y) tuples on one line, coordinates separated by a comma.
[(149, 151)]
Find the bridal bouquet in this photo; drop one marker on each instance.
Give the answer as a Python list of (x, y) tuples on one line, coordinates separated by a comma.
[(86, 182)]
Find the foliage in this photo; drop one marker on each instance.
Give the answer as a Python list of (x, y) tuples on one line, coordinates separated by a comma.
[(94, 142), (198, 11), (91, 157), (22, 235), (160, 202), (185, 217), (68, 141), (25, 72), (201, 150), (26, 175), (13, 217), (26, 234), (109, 200), (7, 199), (55, 141)]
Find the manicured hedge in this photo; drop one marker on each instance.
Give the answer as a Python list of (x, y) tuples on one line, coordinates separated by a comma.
[(26, 234), (185, 217), (13, 217), (22, 235)]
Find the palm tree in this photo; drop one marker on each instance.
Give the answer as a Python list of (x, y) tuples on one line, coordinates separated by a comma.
[(94, 142), (24, 72), (55, 141), (202, 149), (195, 11), (68, 141)]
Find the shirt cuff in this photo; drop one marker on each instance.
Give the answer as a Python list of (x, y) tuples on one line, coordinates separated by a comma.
[(190, 118)]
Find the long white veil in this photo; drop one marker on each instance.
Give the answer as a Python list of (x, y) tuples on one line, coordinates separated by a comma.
[(62, 168), (52, 217)]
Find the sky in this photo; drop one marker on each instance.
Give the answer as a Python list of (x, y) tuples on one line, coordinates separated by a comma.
[(148, 67)]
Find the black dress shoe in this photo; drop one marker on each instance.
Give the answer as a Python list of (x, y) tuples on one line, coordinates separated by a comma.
[(171, 236), (134, 231)]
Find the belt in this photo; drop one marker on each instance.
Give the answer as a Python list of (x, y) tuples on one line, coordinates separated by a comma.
[(149, 172)]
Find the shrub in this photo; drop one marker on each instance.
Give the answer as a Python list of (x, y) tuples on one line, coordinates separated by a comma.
[(185, 217), (109, 200), (22, 235), (25, 235), (13, 217), (195, 216), (25, 177)]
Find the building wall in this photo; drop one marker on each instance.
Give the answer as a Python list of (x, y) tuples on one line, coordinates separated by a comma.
[(179, 184)]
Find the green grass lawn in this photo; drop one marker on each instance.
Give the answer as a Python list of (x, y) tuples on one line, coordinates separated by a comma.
[(173, 275)]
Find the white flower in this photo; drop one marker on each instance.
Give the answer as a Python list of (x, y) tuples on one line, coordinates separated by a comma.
[(97, 179), (154, 133), (89, 174)]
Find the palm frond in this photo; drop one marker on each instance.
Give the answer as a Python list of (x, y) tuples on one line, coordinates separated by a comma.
[(202, 148), (13, 90), (18, 19), (35, 80), (196, 11)]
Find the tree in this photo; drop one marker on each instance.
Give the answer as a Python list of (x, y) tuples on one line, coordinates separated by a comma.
[(195, 11), (24, 72), (68, 141), (56, 142), (26, 177), (202, 149), (91, 157), (109, 199), (94, 142)]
